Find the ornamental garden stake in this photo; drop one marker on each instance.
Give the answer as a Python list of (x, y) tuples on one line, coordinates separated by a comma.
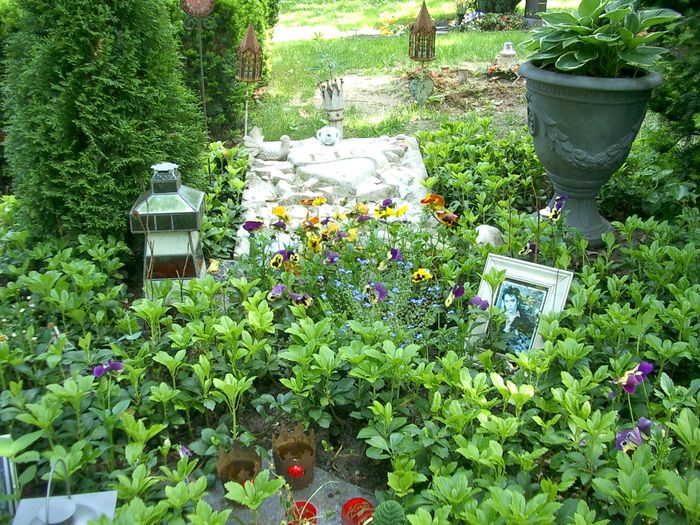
[(198, 10), (249, 66), (421, 48)]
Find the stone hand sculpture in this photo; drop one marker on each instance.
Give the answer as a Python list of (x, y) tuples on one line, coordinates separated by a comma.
[(257, 147)]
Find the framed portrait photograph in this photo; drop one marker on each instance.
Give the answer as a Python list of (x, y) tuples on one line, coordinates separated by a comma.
[(8, 485), (528, 291)]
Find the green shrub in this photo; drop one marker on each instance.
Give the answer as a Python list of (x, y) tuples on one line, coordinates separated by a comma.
[(222, 33), (8, 20), (94, 96), (498, 22), (467, 162), (497, 6)]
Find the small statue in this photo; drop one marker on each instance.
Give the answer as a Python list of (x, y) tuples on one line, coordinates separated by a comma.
[(328, 135), (256, 146)]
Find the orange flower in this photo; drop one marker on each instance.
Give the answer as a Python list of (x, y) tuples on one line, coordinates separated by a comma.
[(435, 200), (311, 223), (445, 217), (306, 202)]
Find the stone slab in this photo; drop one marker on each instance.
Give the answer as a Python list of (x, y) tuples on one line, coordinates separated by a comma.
[(327, 492), (358, 169)]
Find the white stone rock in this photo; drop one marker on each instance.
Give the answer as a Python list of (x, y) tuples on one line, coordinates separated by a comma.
[(487, 234)]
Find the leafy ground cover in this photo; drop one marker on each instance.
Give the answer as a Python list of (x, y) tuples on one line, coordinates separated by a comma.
[(363, 329)]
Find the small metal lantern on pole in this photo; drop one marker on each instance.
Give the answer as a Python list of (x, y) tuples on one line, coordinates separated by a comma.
[(421, 48), (249, 65), (198, 10)]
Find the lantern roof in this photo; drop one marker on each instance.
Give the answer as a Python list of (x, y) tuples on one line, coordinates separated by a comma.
[(423, 21), (250, 43), (169, 205)]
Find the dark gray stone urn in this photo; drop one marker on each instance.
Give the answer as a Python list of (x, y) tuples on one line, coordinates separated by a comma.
[(583, 129)]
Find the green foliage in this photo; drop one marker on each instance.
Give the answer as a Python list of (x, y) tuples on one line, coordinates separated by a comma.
[(471, 167), (8, 21), (226, 168), (497, 6), (93, 98), (222, 32), (678, 98), (389, 513), (495, 21), (656, 180), (608, 38)]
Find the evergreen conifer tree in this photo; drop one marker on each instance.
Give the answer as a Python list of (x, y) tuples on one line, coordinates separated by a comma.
[(94, 95)]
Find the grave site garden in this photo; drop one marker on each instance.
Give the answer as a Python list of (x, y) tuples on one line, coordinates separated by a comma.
[(349, 262)]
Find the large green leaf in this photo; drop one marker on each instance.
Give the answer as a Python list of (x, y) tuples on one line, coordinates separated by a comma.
[(643, 56), (617, 14), (652, 17), (588, 7), (558, 18), (568, 62), (586, 54), (633, 23)]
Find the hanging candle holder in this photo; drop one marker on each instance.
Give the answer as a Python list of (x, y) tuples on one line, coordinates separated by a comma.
[(249, 65), (294, 454), (421, 48)]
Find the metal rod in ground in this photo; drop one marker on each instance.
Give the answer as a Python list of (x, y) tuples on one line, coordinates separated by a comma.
[(201, 69), (245, 118)]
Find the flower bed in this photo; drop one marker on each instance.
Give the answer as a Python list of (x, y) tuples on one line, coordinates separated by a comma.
[(364, 324)]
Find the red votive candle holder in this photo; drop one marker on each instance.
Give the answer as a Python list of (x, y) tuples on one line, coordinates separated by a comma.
[(356, 511), (304, 513)]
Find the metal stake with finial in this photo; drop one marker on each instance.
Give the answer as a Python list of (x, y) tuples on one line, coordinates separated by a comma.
[(421, 48), (198, 10), (249, 66)]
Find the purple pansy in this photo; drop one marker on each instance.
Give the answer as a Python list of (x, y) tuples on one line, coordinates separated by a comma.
[(332, 257), (300, 299), (395, 255), (184, 451), (530, 249), (458, 291), (114, 366), (644, 425), (280, 225), (276, 292), (342, 235), (634, 377), (377, 290), (560, 201), (628, 440), (252, 226), (111, 366), (364, 218), (479, 302), (387, 203)]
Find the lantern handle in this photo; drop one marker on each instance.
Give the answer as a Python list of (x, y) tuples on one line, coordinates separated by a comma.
[(48, 487)]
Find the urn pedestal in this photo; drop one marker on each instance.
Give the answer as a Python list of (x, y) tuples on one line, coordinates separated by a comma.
[(583, 129)]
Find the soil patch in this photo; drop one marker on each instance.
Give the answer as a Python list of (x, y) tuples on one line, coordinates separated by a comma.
[(457, 91)]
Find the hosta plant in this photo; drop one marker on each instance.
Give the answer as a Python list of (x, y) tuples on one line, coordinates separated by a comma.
[(602, 38)]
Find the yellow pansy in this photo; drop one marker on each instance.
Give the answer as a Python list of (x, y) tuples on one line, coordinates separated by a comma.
[(422, 274), (281, 212)]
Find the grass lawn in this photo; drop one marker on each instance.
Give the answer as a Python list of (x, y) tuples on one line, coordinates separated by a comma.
[(288, 104)]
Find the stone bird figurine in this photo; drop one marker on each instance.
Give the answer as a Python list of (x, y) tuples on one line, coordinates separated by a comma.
[(257, 147)]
